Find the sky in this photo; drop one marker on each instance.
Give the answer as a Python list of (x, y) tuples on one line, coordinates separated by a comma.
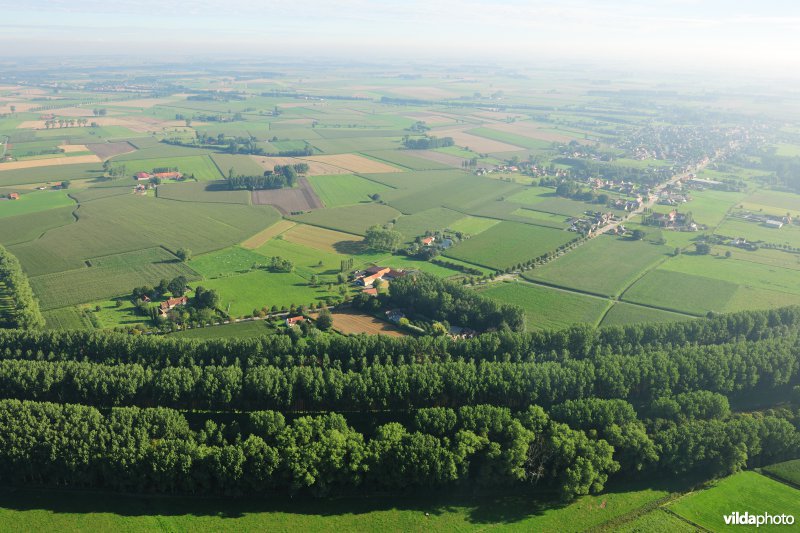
[(745, 35)]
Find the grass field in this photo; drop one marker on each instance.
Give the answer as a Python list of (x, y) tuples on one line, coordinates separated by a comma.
[(202, 192), (465, 193), (238, 330), (354, 219), (444, 511), (199, 166), (307, 261), (23, 228), (511, 138), (434, 219), (686, 293), (108, 276), (472, 225), (66, 318), (398, 158), (509, 243), (345, 189), (243, 165), (226, 262), (240, 294), (787, 471), (541, 218), (743, 492), (547, 308), (50, 174), (34, 202), (266, 234), (622, 313), (606, 265), (755, 232), (657, 521)]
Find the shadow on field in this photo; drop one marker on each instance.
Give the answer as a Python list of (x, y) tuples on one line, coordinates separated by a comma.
[(477, 506)]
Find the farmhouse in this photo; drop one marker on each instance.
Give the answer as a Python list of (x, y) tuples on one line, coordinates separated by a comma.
[(371, 291), (172, 303), (427, 241), (294, 320), (13, 196), (143, 176)]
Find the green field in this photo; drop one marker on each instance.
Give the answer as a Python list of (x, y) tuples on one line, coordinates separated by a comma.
[(434, 219), (472, 225), (242, 293), (243, 165), (204, 192), (606, 265), (26, 510), (307, 261), (743, 492), (51, 174), (399, 158), (787, 471), (355, 219), (755, 232), (680, 292), (108, 276), (225, 262), (345, 189), (509, 243), (22, 228), (199, 166), (541, 218), (465, 193), (511, 138), (657, 521), (623, 313), (238, 330), (65, 318), (547, 308), (33, 202)]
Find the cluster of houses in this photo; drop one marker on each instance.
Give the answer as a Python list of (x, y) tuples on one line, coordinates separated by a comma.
[(591, 222), (367, 278), (770, 222), (673, 198), (671, 220)]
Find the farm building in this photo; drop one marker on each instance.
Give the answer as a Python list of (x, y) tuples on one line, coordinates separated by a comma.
[(427, 241), (169, 175), (172, 303), (371, 275), (371, 291), (774, 223), (13, 196), (142, 176), (294, 320), (394, 316)]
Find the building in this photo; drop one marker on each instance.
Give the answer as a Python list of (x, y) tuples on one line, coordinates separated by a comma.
[(169, 175), (294, 320), (172, 303), (394, 316), (774, 223), (372, 274), (13, 196), (142, 176), (427, 241), (371, 291)]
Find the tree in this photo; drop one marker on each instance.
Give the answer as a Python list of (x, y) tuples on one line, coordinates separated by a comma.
[(702, 248), (65, 184), (380, 238), (728, 254), (637, 235), (177, 286), (184, 254), (324, 320)]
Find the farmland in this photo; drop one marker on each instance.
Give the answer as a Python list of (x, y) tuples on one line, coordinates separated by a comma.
[(788, 471), (34, 202), (346, 189)]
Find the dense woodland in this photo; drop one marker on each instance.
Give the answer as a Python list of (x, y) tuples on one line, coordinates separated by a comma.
[(18, 306)]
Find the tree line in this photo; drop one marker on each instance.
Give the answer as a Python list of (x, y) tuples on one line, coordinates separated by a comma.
[(18, 306), (427, 143)]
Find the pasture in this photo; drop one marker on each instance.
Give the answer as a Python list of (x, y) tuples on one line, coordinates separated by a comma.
[(201, 167), (509, 243), (345, 189), (307, 261), (266, 234), (759, 233), (354, 219), (202, 192), (743, 492), (623, 313), (472, 225), (606, 265), (434, 219), (33, 202), (399, 158), (354, 163), (684, 293), (30, 226), (326, 240), (547, 308)]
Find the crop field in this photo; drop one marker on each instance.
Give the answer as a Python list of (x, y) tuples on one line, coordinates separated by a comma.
[(127, 223), (464, 194), (266, 234), (547, 308), (622, 313), (237, 330), (434, 219), (295, 200), (778, 203), (530, 130), (199, 166), (202, 192), (49, 162), (108, 276), (541, 218), (472, 225), (418, 180), (354, 323), (66, 318), (34, 202), (108, 150), (743, 492), (687, 293), (345, 189), (657, 521), (399, 158), (354, 163), (314, 168), (509, 243), (23, 228), (512, 138), (355, 219), (240, 294), (787, 471), (476, 143), (242, 165), (326, 240), (598, 266)]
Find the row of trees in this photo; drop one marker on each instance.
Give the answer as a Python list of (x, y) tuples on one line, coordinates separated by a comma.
[(574, 343), (427, 142), (441, 299), (18, 306), (729, 369)]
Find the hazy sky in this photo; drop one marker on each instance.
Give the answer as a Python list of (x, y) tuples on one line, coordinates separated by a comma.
[(750, 34)]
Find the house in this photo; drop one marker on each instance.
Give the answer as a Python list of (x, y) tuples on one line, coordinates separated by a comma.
[(373, 274), (376, 270), (394, 274), (143, 176), (427, 241), (172, 303), (13, 196), (371, 291), (169, 175), (146, 298), (293, 321), (394, 316), (774, 223)]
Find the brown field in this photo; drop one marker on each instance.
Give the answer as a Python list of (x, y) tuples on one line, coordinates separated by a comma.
[(72, 148), (106, 150), (475, 143), (137, 124), (536, 131), (353, 163), (315, 168), (54, 161), (264, 235), (287, 201), (445, 159), (143, 103), (71, 112), (19, 107), (430, 118), (432, 93), (496, 115), (351, 322), (325, 240)]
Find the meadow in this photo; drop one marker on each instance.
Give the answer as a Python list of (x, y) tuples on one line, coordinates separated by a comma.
[(685, 293), (595, 267), (345, 189), (743, 492), (355, 219), (201, 167), (622, 313), (34, 202), (508, 243)]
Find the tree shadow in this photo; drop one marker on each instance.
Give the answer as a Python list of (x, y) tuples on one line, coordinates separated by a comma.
[(350, 247)]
